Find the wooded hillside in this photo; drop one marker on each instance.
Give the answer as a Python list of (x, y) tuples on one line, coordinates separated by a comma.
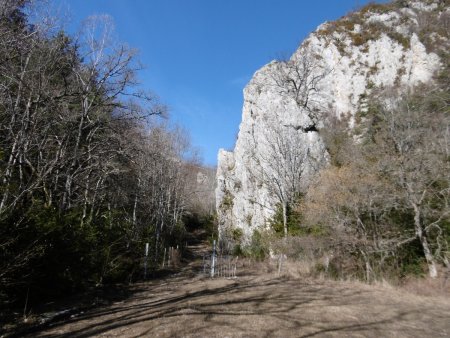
[(90, 170)]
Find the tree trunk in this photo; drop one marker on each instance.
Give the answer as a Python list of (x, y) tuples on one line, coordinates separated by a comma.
[(423, 241), (429, 257), (285, 229)]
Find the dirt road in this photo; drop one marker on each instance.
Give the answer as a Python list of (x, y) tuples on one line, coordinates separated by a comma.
[(260, 305)]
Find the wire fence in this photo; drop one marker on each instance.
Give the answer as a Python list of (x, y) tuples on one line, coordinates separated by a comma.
[(218, 265)]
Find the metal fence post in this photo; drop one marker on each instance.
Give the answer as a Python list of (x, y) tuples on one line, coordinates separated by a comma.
[(213, 259), (145, 261)]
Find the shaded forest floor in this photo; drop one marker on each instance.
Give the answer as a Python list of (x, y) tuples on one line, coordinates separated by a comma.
[(256, 304)]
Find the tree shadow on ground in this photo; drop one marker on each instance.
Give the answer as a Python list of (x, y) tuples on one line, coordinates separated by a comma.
[(276, 307), (98, 297), (63, 309)]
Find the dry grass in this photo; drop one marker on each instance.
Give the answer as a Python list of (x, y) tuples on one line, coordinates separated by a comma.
[(262, 304), (307, 268), (427, 286)]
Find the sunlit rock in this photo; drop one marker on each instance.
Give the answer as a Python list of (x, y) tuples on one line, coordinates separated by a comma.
[(351, 64)]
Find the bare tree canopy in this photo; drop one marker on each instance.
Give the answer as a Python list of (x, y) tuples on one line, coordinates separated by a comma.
[(89, 172), (282, 165), (391, 197)]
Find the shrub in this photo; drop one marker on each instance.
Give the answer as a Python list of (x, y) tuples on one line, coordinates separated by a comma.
[(227, 201), (258, 248)]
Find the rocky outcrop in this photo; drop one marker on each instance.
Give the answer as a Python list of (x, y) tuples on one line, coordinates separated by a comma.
[(330, 74)]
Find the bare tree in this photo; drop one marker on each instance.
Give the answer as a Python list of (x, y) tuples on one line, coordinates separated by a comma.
[(281, 164), (201, 185), (411, 142), (355, 204), (283, 157), (299, 78), (394, 189), (79, 156)]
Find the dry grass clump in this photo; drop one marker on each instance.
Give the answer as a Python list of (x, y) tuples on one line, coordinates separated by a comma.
[(315, 269), (300, 269), (427, 286)]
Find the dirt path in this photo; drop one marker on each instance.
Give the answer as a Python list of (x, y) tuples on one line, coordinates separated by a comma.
[(186, 305)]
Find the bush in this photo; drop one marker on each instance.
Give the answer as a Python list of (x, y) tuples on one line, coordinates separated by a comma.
[(258, 248)]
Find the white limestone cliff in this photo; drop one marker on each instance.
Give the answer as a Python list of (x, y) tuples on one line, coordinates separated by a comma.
[(377, 47)]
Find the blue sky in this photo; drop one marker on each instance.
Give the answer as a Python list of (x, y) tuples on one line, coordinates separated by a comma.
[(199, 54)]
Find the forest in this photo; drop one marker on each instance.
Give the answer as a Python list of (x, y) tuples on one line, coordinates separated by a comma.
[(90, 167)]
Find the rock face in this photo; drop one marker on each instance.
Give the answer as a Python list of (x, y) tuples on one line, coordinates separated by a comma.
[(331, 73)]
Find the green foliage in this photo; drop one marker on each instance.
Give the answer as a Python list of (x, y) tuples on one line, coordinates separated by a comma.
[(194, 222), (227, 201), (411, 260), (257, 248), (71, 256), (295, 224), (238, 251), (237, 235), (294, 221)]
